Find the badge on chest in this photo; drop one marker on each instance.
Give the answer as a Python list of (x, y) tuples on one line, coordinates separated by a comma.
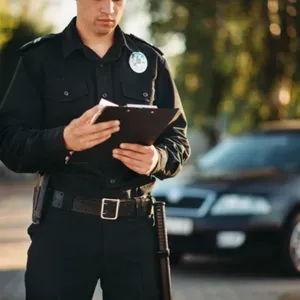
[(138, 62)]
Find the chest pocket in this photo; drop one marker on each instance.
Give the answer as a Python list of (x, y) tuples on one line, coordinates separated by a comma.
[(138, 88), (137, 94), (64, 101), (61, 91)]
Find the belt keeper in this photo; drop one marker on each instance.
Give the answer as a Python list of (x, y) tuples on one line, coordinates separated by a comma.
[(139, 207), (163, 253), (57, 200)]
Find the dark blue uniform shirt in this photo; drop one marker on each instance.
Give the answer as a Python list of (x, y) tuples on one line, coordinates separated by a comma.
[(57, 79)]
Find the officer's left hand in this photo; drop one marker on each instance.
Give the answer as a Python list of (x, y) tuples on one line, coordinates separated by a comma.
[(141, 159)]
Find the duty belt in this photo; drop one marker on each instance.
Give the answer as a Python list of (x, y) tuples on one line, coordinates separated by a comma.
[(105, 208)]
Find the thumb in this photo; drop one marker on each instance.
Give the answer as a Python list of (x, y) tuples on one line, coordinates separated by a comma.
[(88, 115)]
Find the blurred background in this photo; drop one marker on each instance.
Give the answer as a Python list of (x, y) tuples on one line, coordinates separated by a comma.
[(237, 67)]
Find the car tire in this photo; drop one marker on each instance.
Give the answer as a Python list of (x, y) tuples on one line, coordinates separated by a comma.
[(290, 262)]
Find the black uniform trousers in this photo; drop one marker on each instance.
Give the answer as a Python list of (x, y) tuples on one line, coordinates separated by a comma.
[(71, 251)]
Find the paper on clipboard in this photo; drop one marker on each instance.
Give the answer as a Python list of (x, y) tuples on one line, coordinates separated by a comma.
[(102, 103)]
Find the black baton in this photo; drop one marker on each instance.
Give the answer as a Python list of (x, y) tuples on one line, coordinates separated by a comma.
[(163, 250)]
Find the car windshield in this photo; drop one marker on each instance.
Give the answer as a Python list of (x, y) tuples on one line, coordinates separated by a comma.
[(253, 151)]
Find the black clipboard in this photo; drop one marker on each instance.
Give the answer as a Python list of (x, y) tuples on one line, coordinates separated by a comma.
[(137, 125)]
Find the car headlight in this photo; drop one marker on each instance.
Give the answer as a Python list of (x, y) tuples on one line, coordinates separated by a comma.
[(233, 204)]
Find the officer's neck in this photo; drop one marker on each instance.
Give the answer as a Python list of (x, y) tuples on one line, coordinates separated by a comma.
[(99, 44)]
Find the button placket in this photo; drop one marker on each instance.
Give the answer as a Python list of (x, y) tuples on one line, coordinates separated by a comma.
[(104, 81)]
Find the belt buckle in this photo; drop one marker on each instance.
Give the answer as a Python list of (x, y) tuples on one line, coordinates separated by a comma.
[(104, 202)]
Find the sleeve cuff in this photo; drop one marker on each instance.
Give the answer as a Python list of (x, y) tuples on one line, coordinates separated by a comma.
[(162, 160), (54, 143)]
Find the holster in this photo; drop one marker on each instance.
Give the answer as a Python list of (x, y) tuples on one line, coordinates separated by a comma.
[(39, 197)]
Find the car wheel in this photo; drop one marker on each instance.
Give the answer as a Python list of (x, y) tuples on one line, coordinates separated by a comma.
[(291, 247)]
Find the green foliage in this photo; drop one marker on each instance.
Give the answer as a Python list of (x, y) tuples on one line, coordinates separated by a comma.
[(15, 32), (22, 34), (7, 23), (241, 60)]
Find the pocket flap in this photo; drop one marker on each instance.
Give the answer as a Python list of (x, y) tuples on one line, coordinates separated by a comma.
[(137, 94), (63, 92)]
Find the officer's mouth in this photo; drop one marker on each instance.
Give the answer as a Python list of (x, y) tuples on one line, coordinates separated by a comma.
[(108, 22)]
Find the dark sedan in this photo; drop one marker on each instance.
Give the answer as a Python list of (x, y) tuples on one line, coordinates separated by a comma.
[(243, 198)]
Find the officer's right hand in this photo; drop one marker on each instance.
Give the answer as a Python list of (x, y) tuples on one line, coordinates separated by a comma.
[(80, 135)]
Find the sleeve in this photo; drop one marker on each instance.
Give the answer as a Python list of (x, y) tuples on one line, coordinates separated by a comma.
[(25, 147), (173, 145)]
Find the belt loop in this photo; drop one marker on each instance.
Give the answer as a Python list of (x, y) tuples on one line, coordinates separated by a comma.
[(139, 207), (58, 199)]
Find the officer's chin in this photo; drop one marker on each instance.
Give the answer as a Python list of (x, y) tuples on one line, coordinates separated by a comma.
[(104, 32)]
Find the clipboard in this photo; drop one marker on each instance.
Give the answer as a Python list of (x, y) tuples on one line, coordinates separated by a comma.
[(137, 125)]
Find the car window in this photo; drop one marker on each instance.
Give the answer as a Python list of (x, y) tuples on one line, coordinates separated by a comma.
[(254, 151)]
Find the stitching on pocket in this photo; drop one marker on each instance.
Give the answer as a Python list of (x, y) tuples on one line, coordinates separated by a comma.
[(142, 95)]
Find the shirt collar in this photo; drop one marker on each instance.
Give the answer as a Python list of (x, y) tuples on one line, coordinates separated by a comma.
[(120, 39), (72, 40)]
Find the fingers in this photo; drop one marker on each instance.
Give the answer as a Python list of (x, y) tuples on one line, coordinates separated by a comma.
[(101, 134), (95, 142), (117, 153), (142, 159), (105, 128), (129, 160), (139, 166), (136, 148), (88, 115)]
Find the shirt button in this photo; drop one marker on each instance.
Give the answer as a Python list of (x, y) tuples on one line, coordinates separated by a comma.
[(104, 95), (101, 66), (66, 93), (145, 95), (112, 181)]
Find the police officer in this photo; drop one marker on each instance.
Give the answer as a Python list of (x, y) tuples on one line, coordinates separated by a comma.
[(45, 115)]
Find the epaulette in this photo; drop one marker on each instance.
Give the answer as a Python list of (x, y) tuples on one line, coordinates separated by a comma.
[(35, 42), (145, 42)]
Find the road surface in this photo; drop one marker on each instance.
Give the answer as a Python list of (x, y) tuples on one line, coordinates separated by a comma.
[(195, 279)]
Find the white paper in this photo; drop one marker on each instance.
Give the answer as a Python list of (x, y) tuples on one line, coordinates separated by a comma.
[(102, 103)]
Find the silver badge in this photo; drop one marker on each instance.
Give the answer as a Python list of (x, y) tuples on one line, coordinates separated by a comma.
[(138, 62)]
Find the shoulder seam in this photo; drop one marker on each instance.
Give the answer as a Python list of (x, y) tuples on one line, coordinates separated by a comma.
[(145, 42), (36, 42)]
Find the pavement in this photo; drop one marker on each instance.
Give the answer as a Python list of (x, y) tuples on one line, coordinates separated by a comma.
[(195, 278)]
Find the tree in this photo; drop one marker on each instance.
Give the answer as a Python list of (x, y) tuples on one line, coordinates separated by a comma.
[(240, 59), (257, 44), (196, 74), (16, 33), (7, 24)]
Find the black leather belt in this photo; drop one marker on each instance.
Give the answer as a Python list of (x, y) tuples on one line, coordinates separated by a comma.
[(106, 208)]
